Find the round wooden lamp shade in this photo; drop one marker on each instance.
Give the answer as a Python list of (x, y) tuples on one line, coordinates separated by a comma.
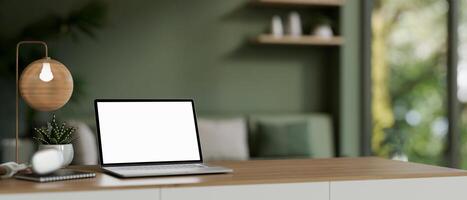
[(46, 84)]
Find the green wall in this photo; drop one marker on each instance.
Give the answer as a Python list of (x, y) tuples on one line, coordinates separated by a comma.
[(200, 49), (163, 49), (350, 92)]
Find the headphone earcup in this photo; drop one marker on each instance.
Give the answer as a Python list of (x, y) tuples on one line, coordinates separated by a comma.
[(46, 161)]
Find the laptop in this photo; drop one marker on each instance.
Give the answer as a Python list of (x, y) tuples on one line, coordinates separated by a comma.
[(140, 138)]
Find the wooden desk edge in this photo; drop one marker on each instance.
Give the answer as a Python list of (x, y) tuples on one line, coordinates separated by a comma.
[(220, 180), (136, 187)]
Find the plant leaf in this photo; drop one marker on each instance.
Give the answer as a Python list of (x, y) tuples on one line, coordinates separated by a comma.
[(40, 140)]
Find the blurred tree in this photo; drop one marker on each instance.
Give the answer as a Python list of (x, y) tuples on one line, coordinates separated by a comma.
[(462, 81), (409, 81), (381, 107)]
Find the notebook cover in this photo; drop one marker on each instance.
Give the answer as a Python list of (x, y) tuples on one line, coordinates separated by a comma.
[(60, 175)]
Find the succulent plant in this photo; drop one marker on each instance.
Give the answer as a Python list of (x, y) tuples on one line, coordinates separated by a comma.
[(54, 133)]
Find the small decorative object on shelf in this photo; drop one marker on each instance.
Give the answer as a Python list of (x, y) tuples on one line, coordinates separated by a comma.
[(294, 27), (322, 27), (56, 136), (277, 29), (324, 31)]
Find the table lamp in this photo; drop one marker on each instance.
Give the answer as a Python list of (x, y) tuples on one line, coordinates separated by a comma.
[(45, 85)]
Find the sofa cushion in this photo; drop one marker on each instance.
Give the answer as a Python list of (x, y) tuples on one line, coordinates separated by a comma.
[(223, 139), (319, 129), (283, 140)]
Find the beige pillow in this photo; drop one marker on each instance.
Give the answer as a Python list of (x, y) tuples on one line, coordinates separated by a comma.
[(223, 139)]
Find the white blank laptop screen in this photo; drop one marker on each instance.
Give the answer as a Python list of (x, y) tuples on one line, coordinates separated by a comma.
[(158, 131)]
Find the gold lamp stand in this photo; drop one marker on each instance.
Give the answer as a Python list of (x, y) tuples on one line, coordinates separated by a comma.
[(45, 85)]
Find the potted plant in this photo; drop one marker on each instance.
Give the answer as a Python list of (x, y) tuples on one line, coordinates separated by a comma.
[(56, 136)]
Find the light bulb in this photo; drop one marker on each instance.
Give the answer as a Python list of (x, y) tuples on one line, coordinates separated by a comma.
[(46, 73)]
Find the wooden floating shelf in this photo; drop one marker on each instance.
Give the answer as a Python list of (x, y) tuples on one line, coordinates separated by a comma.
[(300, 2), (302, 40)]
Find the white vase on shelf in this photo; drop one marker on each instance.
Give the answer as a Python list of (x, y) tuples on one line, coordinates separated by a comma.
[(277, 28), (294, 27)]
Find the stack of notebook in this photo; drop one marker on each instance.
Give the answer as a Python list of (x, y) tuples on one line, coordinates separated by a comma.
[(59, 175)]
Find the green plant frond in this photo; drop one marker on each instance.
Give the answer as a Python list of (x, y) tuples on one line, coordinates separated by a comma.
[(66, 133), (43, 133), (62, 128), (54, 123), (39, 133), (49, 126), (59, 133), (41, 140)]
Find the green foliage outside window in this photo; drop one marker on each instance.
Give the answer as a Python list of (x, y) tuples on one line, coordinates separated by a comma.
[(409, 79)]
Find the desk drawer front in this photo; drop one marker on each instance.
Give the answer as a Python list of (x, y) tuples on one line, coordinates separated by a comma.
[(139, 194), (452, 188), (296, 191)]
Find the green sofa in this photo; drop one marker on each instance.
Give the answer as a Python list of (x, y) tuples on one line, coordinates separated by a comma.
[(266, 136)]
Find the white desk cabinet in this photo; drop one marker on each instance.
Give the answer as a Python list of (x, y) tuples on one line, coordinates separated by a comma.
[(295, 191), (449, 188), (137, 194)]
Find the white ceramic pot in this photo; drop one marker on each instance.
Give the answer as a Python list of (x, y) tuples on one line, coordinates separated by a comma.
[(324, 31), (65, 149)]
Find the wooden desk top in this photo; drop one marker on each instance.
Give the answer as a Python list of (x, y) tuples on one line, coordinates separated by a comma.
[(249, 172)]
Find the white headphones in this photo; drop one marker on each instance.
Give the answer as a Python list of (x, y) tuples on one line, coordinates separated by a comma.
[(43, 162)]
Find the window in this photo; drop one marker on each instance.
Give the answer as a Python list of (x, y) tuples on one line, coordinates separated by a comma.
[(462, 79), (409, 82)]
